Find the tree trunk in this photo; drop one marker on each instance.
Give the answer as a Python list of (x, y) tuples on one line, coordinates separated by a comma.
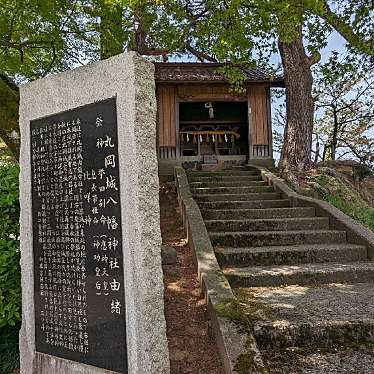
[(297, 147), (9, 104), (316, 156), (324, 153), (334, 138)]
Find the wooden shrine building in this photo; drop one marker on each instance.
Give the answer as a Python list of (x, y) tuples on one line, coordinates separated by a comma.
[(201, 122)]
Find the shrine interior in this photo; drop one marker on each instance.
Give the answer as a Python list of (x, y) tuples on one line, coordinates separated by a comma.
[(217, 128)]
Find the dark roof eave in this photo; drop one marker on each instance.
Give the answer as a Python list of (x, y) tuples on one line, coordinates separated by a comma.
[(197, 72), (272, 83), (278, 83)]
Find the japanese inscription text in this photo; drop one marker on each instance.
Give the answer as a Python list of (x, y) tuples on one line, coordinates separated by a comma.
[(77, 237)]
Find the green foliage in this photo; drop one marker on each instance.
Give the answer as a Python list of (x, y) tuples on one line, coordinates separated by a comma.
[(10, 273), (32, 37), (352, 19), (343, 91), (360, 172), (236, 77), (342, 196), (40, 37)]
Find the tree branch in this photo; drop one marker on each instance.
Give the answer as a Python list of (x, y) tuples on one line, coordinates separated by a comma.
[(9, 101), (140, 42), (9, 82), (369, 116), (314, 59), (344, 29), (200, 55), (52, 62)]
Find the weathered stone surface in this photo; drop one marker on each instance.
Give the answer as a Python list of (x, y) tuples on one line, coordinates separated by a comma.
[(233, 183), (267, 238), (130, 79), (231, 190), (302, 274), (254, 204), (260, 213), (264, 240), (274, 224), (356, 232), (238, 197), (322, 316), (224, 173), (290, 254), (346, 361), (224, 178), (231, 340)]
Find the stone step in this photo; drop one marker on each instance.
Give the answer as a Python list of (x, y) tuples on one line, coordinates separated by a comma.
[(218, 214), (225, 178), (244, 167), (325, 316), (232, 183), (269, 238), (290, 255), (223, 173), (231, 190), (301, 274), (272, 224), (250, 205), (358, 360), (238, 197)]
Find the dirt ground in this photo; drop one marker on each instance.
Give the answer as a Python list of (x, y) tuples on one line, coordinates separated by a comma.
[(192, 349)]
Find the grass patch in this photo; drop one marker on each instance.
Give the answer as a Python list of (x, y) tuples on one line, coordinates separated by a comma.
[(341, 195)]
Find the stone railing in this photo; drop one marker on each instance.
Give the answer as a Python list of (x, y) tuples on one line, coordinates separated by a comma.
[(236, 345)]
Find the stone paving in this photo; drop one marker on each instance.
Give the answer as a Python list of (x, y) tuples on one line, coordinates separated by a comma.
[(358, 361), (301, 283)]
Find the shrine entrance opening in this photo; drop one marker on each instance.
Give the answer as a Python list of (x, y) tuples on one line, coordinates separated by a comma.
[(217, 129)]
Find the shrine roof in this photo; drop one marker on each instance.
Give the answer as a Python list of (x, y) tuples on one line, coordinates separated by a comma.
[(195, 72)]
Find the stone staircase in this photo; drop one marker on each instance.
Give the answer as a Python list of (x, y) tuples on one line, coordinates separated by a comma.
[(301, 283)]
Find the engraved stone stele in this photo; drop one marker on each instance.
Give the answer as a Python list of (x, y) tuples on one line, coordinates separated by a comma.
[(92, 290)]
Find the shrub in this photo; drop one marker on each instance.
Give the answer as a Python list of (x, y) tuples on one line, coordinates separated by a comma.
[(360, 172), (10, 273), (9, 352), (342, 196)]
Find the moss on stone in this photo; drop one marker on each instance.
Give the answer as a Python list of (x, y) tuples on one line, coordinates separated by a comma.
[(244, 363), (222, 277), (244, 317), (233, 311)]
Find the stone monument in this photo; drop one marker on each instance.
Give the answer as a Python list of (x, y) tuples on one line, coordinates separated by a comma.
[(92, 290)]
